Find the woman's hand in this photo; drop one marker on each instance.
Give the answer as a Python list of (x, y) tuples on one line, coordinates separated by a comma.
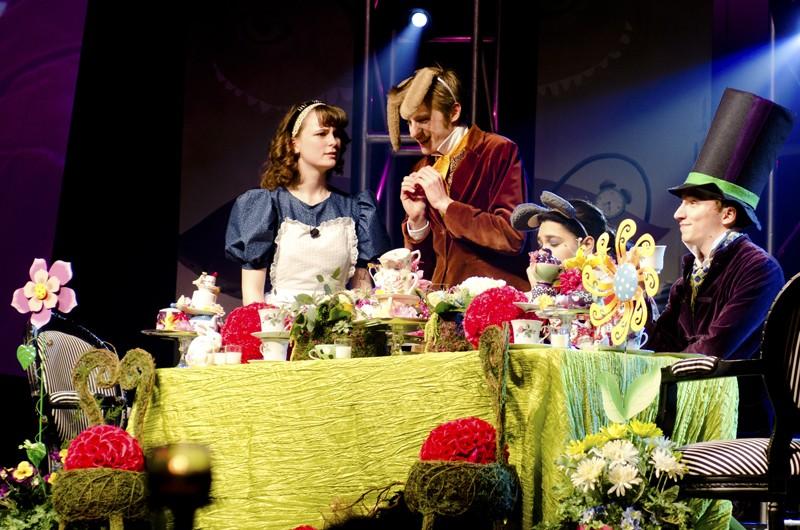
[(253, 283)]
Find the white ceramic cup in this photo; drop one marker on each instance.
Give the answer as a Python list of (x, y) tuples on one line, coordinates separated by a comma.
[(274, 350), (198, 358), (637, 340), (323, 351), (528, 331), (656, 261), (271, 319)]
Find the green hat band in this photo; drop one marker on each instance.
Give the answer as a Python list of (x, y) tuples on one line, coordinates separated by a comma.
[(727, 188)]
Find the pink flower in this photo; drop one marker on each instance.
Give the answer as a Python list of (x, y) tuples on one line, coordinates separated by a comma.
[(45, 291)]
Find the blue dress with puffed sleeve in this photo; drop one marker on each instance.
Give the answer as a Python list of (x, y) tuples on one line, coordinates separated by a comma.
[(296, 242)]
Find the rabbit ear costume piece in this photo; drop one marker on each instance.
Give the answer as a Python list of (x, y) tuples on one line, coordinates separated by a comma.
[(525, 217), (404, 99)]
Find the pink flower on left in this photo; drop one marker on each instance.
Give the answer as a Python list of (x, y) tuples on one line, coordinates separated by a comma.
[(45, 291)]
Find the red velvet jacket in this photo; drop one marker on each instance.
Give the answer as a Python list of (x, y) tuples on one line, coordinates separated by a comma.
[(475, 237), (730, 307)]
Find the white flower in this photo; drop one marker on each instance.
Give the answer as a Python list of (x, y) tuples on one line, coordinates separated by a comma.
[(665, 462), (660, 441), (586, 474), (620, 452), (435, 297), (622, 477), (475, 285)]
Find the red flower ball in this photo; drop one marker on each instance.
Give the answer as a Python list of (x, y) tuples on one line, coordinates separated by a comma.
[(105, 446), (238, 329), (569, 281), (492, 307), (465, 439), (304, 527)]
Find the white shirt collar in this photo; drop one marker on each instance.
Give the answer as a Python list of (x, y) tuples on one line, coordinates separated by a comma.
[(695, 252), (451, 141)]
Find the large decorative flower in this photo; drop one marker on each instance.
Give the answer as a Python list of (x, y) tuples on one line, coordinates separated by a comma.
[(465, 439), (492, 307), (45, 291), (105, 446), (622, 285), (238, 329)]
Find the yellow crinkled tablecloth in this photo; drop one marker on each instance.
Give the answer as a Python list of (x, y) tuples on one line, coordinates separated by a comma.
[(288, 439)]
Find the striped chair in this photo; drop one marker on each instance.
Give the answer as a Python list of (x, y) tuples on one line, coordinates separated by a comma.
[(59, 353), (760, 469)]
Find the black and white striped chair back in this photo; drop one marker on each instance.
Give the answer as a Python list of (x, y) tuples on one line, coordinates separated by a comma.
[(780, 347), (60, 352)]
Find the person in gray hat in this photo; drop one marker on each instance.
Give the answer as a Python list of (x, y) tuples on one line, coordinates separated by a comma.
[(727, 284)]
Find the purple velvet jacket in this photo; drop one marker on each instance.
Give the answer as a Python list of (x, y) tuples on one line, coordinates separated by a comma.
[(730, 307)]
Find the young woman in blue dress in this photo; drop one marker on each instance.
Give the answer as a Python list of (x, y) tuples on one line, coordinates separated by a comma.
[(297, 227)]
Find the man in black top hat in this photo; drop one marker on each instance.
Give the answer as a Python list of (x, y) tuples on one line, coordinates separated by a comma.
[(718, 304)]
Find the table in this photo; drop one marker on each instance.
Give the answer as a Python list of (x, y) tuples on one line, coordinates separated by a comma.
[(290, 438)]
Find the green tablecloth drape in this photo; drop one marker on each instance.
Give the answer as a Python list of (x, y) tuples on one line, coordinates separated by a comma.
[(289, 439)]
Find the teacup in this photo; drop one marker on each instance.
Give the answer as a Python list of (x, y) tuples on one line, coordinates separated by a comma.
[(198, 358), (219, 358), (559, 340), (636, 340), (271, 319), (399, 258), (323, 352), (656, 260), (528, 331), (273, 350)]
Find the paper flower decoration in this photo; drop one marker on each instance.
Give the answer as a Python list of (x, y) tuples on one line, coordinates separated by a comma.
[(492, 307), (622, 286), (238, 329), (45, 291), (105, 446), (465, 439)]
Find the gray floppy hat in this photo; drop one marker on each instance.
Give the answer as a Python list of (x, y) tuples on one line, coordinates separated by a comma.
[(525, 217)]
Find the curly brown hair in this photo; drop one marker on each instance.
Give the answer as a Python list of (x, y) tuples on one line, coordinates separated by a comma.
[(280, 169)]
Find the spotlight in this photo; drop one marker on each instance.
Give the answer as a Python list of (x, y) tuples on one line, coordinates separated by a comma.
[(419, 18)]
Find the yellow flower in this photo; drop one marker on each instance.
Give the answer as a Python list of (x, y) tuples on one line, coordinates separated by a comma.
[(52, 478), (593, 440), (62, 455), (576, 448), (581, 260), (645, 430), (543, 301), (616, 431), (24, 470)]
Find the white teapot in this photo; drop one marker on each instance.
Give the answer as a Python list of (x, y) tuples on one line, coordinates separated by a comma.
[(394, 275)]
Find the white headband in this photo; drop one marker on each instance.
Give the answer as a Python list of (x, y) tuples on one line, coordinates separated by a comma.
[(452, 95), (298, 122)]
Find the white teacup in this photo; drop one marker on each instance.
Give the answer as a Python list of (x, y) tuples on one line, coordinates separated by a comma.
[(656, 260), (528, 331), (198, 358), (323, 352), (218, 357), (274, 350), (399, 258), (271, 319), (637, 340)]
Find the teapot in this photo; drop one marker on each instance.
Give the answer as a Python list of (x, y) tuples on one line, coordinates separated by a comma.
[(393, 281)]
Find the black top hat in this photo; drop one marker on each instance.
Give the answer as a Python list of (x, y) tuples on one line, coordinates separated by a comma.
[(739, 152)]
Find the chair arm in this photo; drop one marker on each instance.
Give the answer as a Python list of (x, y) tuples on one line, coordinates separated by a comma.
[(695, 369)]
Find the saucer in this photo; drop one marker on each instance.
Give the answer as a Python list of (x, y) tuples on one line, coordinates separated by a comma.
[(533, 346), (270, 334)]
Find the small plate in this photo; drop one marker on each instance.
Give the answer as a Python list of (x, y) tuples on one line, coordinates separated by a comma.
[(170, 334), (534, 346), (270, 334), (621, 349)]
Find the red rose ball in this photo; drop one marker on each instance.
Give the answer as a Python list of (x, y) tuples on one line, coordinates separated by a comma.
[(105, 446)]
